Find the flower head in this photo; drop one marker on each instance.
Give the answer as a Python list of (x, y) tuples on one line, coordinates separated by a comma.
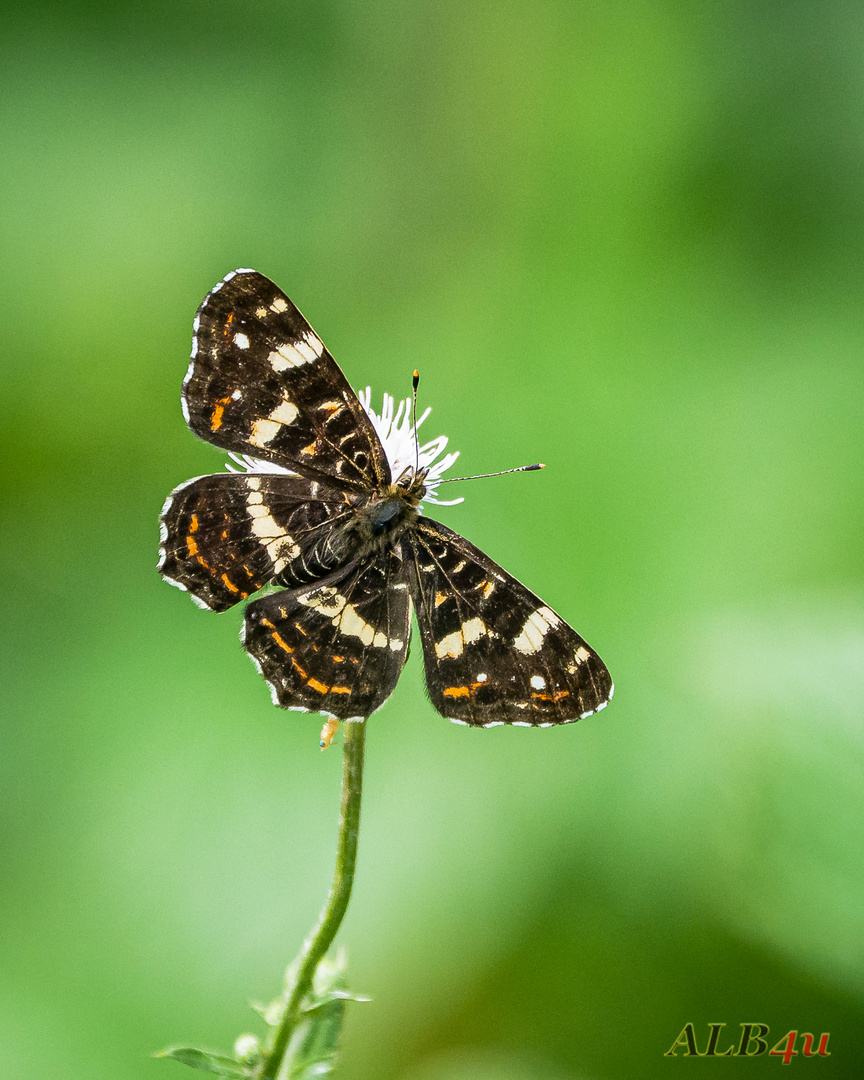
[(398, 436)]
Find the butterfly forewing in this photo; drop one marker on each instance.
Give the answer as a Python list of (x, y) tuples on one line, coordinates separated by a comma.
[(494, 653), (227, 535), (260, 382), (335, 648)]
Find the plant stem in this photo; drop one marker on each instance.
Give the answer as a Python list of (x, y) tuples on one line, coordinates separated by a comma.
[(321, 937)]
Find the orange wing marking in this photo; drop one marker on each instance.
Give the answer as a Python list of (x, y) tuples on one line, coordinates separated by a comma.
[(280, 641), (552, 697), (218, 410), (322, 689), (233, 587)]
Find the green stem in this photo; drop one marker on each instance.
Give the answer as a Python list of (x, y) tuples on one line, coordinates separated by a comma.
[(321, 937)]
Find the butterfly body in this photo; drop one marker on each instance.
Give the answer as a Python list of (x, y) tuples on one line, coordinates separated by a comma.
[(385, 515), (319, 514)]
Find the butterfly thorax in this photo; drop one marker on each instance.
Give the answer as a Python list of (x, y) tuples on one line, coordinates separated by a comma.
[(384, 515)]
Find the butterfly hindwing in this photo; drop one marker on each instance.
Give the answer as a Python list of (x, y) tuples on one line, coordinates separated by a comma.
[(335, 648), (494, 653), (261, 382), (225, 536)]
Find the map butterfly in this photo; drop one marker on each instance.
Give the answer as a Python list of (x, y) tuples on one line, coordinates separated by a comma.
[(322, 514)]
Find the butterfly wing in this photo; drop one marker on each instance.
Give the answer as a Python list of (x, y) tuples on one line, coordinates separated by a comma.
[(261, 383), (225, 536), (494, 653), (335, 648)]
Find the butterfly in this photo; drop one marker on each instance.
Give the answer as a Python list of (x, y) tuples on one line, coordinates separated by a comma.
[(320, 511)]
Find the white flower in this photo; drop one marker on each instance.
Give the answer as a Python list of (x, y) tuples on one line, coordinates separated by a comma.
[(399, 438)]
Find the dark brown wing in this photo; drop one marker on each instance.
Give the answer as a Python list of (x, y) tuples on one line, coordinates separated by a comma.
[(226, 535), (261, 383), (336, 649), (494, 653)]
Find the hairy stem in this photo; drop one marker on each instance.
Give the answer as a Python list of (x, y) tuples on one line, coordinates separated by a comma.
[(321, 937)]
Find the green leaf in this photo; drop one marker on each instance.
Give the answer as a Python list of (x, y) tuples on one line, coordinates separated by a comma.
[(206, 1061), (315, 1045)]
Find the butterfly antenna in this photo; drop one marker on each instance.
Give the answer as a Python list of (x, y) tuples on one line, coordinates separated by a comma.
[(482, 476), (414, 384)]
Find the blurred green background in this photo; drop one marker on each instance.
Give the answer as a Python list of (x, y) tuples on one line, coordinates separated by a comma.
[(624, 239)]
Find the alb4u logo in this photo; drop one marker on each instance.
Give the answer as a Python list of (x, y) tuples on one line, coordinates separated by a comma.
[(753, 1043)]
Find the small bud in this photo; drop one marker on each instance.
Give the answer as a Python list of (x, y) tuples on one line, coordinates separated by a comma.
[(247, 1048)]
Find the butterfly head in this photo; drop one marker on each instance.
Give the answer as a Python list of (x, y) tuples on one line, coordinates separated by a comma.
[(412, 484)]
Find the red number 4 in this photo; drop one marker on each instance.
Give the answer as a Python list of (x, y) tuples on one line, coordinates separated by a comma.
[(785, 1048)]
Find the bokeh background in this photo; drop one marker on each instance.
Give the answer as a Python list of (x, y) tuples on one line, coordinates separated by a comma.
[(624, 239)]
